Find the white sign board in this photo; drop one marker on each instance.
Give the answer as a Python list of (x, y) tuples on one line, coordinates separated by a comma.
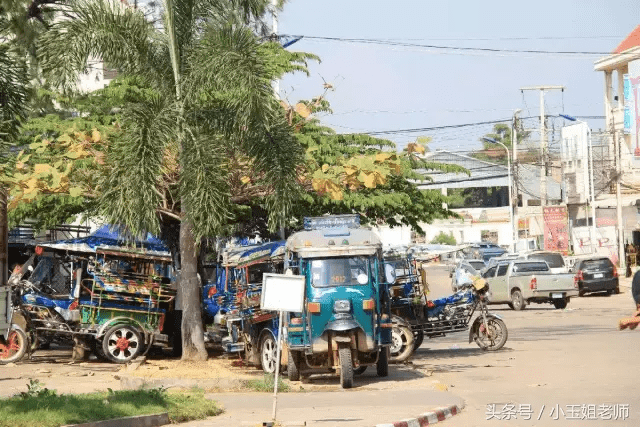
[(282, 292)]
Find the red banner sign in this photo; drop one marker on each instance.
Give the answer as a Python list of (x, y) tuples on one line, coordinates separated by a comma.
[(556, 229)]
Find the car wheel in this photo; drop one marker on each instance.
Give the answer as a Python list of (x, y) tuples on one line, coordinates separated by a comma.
[(560, 303), (517, 300)]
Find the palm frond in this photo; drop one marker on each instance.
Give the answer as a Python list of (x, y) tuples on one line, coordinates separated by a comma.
[(229, 84), (131, 193), (13, 94), (101, 29), (204, 184)]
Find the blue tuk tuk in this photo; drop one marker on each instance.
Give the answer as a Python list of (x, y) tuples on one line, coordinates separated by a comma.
[(345, 325)]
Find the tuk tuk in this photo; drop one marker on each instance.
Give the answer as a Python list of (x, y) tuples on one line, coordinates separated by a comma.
[(231, 300), (345, 325)]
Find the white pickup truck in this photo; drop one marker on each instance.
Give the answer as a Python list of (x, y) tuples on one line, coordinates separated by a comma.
[(521, 282)]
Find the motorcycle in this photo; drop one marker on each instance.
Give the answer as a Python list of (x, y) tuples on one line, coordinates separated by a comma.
[(453, 314)]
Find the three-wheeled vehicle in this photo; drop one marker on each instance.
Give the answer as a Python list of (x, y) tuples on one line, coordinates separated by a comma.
[(345, 325), (109, 299), (231, 299)]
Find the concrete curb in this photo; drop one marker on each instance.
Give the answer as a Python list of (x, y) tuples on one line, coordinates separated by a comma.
[(428, 418), (153, 420)]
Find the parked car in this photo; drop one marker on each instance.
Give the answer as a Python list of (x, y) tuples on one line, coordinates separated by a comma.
[(554, 259), (521, 282), (596, 275), (484, 251)]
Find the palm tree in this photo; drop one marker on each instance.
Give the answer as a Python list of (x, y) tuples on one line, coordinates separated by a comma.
[(210, 94), (13, 102)]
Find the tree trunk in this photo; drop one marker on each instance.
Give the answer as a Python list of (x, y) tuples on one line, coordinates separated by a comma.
[(192, 330), (4, 238)]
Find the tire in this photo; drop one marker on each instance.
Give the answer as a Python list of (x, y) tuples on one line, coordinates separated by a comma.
[(560, 303), (346, 366), (401, 343), (418, 338), (96, 349), (293, 366), (517, 301), (382, 366), (268, 353), (15, 346), (497, 337), (616, 290), (360, 370), (122, 343)]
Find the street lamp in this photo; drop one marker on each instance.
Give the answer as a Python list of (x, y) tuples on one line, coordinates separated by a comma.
[(592, 187), (493, 141)]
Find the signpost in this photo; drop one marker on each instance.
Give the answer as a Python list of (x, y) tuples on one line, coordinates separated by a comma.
[(281, 292)]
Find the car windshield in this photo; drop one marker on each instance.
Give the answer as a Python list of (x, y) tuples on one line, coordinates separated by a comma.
[(478, 265), (351, 271), (596, 264), (554, 260)]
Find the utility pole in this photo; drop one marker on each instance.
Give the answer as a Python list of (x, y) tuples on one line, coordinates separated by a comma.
[(543, 140), (514, 163), (618, 150)]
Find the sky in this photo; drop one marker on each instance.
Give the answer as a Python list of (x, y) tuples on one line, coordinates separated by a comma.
[(382, 87)]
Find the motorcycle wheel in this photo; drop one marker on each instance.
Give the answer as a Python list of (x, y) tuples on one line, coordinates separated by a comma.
[(15, 346), (493, 339), (346, 366), (402, 343)]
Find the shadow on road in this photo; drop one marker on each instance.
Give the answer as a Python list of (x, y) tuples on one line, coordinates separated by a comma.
[(397, 373)]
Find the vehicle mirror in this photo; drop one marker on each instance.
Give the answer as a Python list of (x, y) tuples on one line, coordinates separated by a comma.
[(390, 273), (363, 279)]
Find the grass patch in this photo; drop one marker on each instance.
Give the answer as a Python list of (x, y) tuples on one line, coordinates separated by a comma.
[(40, 407), (266, 384)]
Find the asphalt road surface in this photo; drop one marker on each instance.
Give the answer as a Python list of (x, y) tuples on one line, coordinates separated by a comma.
[(567, 367)]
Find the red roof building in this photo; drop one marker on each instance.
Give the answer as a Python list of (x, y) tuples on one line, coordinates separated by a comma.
[(632, 40)]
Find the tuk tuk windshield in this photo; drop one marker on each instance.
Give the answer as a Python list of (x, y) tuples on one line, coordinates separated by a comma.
[(342, 271)]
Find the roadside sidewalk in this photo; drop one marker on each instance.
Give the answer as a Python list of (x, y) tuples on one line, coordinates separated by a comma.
[(350, 408)]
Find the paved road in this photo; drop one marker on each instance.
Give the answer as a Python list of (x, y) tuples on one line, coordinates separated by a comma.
[(553, 357)]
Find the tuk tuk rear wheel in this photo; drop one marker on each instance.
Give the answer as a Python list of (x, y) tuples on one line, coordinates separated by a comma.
[(268, 352), (293, 365), (402, 343), (122, 343), (382, 366), (346, 366)]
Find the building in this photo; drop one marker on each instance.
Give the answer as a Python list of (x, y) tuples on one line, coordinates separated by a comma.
[(490, 219)]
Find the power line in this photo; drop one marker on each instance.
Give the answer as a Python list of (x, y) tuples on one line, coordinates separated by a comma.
[(390, 42)]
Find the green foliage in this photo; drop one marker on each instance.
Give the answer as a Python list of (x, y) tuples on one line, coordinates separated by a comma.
[(41, 407), (444, 239), (502, 133), (361, 174)]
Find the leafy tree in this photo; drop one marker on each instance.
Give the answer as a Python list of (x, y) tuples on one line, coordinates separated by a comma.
[(501, 133), (211, 76), (356, 173), (444, 239)]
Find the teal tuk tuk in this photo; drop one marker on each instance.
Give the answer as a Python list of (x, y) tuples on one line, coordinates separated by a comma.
[(345, 325)]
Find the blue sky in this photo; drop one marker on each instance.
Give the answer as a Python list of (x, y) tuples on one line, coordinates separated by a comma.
[(389, 88)]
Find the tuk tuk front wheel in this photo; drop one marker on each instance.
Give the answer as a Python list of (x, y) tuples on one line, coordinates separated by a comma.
[(122, 343), (14, 347), (346, 366), (382, 366)]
